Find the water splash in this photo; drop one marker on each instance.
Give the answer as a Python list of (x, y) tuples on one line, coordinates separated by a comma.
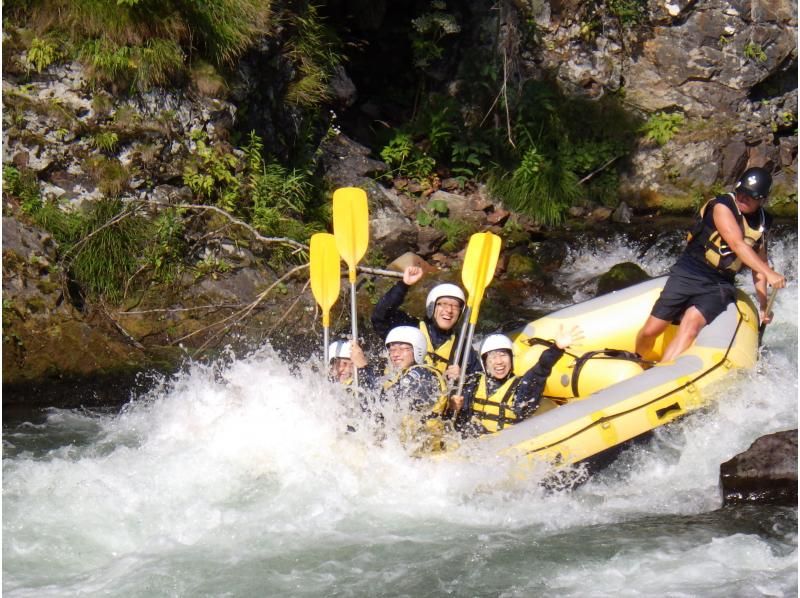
[(229, 478)]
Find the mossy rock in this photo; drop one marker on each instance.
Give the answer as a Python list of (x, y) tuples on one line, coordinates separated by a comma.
[(522, 266), (619, 277)]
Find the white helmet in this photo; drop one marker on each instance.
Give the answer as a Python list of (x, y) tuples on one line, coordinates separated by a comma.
[(339, 349), (412, 336), (493, 342), (443, 290)]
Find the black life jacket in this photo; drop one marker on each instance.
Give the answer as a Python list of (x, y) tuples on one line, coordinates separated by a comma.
[(706, 242)]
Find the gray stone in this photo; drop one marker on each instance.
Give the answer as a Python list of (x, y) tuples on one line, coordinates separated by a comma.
[(765, 473)]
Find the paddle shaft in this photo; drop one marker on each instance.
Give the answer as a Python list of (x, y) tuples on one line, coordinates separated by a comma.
[(480, 261), (763, 325), (462, 335), (326, 345), (463, 373), (354, 321)]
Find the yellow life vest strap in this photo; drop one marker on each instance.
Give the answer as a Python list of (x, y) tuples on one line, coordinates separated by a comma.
[(495, 410), (716, 251), (439, 357)]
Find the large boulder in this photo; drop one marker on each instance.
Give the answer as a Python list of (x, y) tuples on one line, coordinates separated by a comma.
[(765, 473), (44, 334)]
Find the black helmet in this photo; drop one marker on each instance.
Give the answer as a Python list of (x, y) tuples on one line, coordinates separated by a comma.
[(756, 182)]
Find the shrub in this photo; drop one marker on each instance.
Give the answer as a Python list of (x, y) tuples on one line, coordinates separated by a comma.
[(662, 126), (538, 187), (112, 235)]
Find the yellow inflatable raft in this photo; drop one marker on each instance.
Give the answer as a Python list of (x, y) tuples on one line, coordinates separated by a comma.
[(600, 399)]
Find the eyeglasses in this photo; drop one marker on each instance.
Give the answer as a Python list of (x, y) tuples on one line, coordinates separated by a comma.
[(451, 305)]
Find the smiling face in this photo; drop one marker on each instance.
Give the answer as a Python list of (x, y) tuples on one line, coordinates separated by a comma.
[(446, 312), (498, 363), (401, 355), (342, 369)]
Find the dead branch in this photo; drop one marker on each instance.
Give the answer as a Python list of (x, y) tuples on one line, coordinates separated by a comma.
[(239, 315), (603, 167), (285, 240)]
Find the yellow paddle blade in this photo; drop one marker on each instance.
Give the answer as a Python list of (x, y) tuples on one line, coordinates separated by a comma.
[(325, 272), (480, 262), (351, 225)]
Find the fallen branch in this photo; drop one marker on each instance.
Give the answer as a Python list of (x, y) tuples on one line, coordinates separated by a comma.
[(236, 317), (377, 271), (603, 167), (285, 240)]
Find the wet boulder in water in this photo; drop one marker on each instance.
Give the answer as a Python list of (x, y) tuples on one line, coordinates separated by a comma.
[(765, 473), (619, 277)]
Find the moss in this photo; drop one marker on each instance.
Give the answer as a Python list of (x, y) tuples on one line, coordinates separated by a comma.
[(36, 305), (109, 174), (207, 81), (47, 286), (522, 266), (621, 276), (13, 262), (677, 204)]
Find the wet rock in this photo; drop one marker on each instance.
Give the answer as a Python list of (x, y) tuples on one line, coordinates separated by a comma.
[(521, 266), (429, 240), (411, 259), (622, 214), (44, 335), (765, 473), (620, 276)]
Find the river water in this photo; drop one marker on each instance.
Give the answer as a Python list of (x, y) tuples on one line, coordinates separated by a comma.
[(239, 479)]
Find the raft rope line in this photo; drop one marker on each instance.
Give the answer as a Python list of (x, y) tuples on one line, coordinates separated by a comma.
[(673, 391), (580, 360)]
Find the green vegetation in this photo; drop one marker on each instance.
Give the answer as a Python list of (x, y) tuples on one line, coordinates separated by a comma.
[(429, 29), (312, 49), (662, 126), (538, 186), (42, 53), (139, 44), (754, 51), (105, 141), (111, 235)]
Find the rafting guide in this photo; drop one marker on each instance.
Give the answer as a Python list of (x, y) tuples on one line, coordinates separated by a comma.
[(731, 232)]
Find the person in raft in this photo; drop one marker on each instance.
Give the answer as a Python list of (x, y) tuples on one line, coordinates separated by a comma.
[(409, 384), (731, 232), (443, 308), (408, 379), (496, 398), (340, 367)]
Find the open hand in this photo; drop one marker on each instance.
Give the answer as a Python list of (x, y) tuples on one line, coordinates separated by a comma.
[(565, 339)]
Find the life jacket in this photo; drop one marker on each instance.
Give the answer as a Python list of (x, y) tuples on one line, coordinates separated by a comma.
[(706, 242), (494, 412), (423, 434), (439, 358), (441, 400)]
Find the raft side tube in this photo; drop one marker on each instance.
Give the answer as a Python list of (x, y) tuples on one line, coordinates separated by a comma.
[(609, 321), (630, 408)]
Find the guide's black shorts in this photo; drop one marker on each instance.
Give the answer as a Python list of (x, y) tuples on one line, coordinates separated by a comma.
[(683, 290)]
